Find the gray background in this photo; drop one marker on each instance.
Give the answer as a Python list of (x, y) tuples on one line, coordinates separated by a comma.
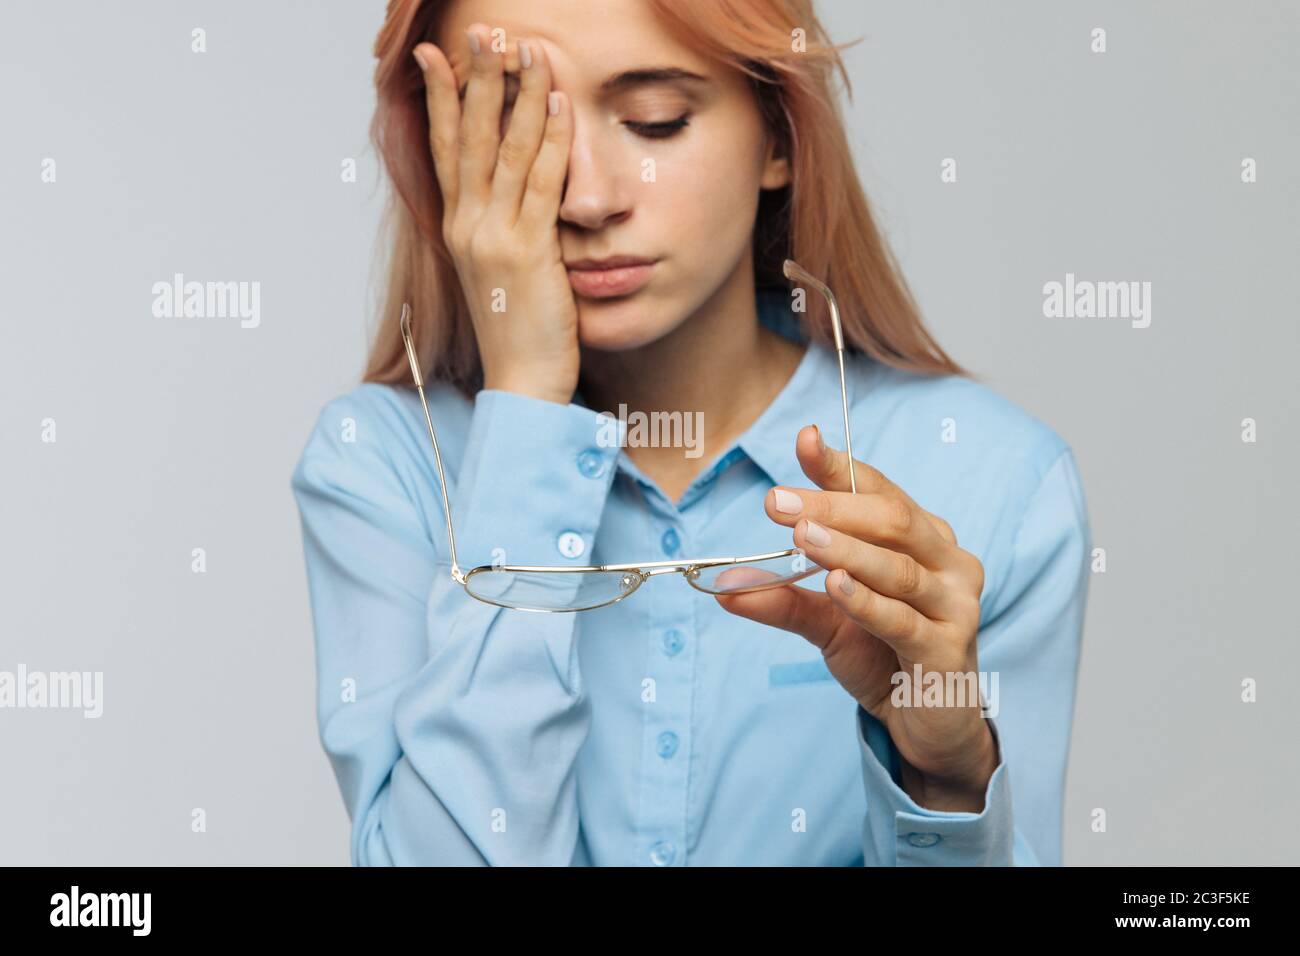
[(175, 434)]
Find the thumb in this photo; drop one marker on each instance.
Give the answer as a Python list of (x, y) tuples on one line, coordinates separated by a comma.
[(828, 468)]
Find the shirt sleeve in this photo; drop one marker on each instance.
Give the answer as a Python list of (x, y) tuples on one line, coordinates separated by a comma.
[(1030, 647), (452, 726)]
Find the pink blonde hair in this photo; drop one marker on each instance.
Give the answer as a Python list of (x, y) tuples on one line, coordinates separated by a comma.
[(822, 219)]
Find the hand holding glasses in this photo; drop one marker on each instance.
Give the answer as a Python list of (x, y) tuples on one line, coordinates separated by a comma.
[(560, 589)]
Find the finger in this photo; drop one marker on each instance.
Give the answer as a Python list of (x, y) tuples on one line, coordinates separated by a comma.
[(810, 614), (443, 106), (877, 517), (480, 122), (828, 468), (887, 572), (895, 622), (523, 136), (943, 527), (545, 186)]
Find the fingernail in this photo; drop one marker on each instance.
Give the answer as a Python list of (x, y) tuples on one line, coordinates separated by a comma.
[(553, 103), (821, 444), (419, 58), (815, 534), (473, 41), (846, 582), (787, 502), (525, 56)]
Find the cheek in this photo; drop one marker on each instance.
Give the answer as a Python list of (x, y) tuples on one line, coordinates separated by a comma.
[(703, 196)]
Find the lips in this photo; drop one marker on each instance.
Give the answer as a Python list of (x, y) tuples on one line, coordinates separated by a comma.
[(610, 277)]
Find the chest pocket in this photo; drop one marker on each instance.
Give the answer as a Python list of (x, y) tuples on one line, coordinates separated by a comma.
[(798, 672)]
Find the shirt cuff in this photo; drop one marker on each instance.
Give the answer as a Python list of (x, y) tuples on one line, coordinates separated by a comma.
[(900, 832), (534, 481)]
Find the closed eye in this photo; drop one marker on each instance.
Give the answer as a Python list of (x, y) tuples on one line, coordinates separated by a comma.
[(659, 130)]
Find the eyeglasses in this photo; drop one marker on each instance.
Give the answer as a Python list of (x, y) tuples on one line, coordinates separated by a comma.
[(563, 589)]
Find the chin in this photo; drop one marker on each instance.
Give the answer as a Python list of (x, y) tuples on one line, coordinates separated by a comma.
[(617, 325)]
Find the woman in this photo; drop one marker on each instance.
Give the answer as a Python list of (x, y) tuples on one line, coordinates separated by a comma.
[(590, 213)]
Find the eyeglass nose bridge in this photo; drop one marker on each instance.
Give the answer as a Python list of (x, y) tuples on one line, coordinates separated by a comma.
[(671, 569)]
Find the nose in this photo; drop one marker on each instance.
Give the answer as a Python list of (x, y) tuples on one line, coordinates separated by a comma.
[(594, 195)]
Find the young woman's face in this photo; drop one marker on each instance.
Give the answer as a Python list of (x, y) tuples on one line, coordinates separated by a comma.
[(669, 155)]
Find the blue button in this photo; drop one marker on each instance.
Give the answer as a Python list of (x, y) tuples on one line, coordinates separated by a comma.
[(666, 745), (673, 642), (923, 839), (570, 544), (670, 541), (662, 853), (591, 463)]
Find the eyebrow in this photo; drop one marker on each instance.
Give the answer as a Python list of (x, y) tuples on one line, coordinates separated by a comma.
[(660, 74), (633, 78)]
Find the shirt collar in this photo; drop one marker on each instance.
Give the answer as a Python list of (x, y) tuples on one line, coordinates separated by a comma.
[(810, 397)]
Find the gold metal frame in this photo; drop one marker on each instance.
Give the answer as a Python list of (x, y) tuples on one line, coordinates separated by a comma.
[(641, 571)]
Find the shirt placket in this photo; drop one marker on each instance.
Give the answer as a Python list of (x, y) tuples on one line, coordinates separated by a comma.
[(672, 655), (666, 734)]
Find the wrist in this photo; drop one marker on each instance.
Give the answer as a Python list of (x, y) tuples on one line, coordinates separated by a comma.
[(530, 389), (962, 791)]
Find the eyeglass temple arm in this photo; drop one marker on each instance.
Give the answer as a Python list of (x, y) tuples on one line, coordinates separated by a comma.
[(437, 455), (798, 273)]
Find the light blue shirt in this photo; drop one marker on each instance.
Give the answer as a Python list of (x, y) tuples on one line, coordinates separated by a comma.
[(662, 730)]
